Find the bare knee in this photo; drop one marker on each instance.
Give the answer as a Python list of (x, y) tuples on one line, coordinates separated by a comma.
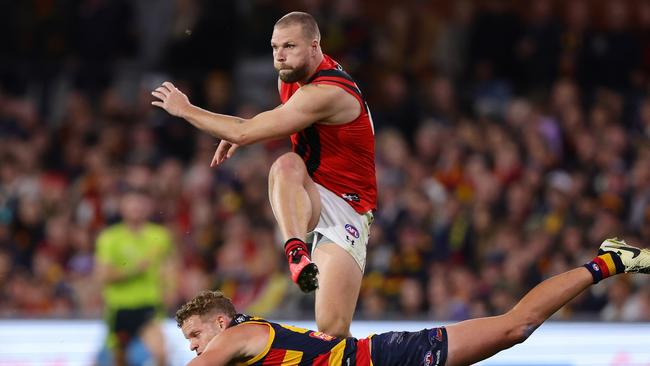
[(523, 325), (289, 164), (333, 325)]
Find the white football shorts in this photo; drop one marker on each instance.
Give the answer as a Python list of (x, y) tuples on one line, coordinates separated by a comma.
[(339, 223)]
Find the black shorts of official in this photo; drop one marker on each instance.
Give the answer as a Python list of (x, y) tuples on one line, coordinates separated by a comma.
[(427, 347), (127, 323)]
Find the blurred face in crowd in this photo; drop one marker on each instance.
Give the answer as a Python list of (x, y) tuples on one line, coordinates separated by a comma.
[(135, 208), (293, 52), (5, 265), (200, 329)]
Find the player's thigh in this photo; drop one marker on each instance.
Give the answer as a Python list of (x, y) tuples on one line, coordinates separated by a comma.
[(339, 282), (292, 165), (477, 339), (315, 199)]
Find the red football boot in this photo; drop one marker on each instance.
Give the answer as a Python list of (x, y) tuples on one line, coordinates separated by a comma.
[(303, 271)]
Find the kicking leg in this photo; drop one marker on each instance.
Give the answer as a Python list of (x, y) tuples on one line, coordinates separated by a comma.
[(294, 197), (296, 206)]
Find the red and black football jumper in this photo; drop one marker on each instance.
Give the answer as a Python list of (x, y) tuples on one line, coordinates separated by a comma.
[(340, 157)]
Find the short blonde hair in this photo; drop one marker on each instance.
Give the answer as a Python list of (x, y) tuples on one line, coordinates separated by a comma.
[(206, 302), (304, 20)]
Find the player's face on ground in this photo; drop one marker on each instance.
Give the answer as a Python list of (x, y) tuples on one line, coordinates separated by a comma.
[(200, 331), (291, 52)]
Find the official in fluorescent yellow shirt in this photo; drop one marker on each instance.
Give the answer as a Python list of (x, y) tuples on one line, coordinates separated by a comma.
[(133, 263)]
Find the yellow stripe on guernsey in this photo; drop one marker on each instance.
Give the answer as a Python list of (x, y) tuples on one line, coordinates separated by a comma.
[(268, 344), (610, 263), (336, 354), (292, 358), (294, 329)]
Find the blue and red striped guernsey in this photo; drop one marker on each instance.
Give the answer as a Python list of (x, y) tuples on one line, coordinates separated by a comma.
[(293, 346), (340, 157)]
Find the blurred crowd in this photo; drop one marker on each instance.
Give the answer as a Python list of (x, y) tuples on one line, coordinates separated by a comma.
[(512, 138)]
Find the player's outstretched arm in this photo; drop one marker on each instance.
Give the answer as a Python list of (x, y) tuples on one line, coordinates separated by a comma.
[(310, 104), (239, 343), (225, 150)]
